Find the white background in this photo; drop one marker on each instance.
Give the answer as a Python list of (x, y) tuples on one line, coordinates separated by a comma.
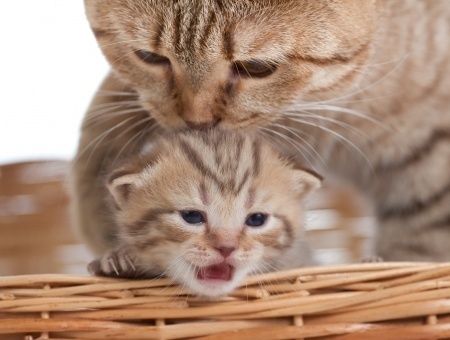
[(50, 66)]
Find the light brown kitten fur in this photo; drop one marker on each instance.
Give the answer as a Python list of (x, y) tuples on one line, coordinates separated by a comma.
[(226, 177), (362, 82)]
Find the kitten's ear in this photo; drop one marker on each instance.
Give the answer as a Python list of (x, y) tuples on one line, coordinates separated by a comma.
[(120, 184), (306, 181)]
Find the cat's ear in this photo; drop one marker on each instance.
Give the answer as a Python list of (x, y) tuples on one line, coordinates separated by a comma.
[(120, 184), (306, 181)]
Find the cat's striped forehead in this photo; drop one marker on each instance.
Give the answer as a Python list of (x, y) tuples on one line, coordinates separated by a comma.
[(197, 32)]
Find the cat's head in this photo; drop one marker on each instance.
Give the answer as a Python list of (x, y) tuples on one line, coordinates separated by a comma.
[(234, 63), (208, 208)]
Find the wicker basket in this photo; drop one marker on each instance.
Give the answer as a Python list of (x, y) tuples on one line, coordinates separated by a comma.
[(363, 301)]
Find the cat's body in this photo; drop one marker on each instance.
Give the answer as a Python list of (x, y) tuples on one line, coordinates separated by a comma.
[(363, 83), (206, 209)]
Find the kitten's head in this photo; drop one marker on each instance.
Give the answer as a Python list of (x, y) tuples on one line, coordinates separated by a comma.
[(235, 63), (207, 208)]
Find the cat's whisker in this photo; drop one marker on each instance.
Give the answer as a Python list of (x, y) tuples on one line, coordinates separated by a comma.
[(123, 42), (110, 93), (121, 59), (387, 62), (361, 100), (292, 142), (129, 128), (138, 123), (370, 85), (105, 116), (136, 137), (322, 107), (345, 141), (98, 140), (121, 103), (109, 106), (346, 126), (296, 133)]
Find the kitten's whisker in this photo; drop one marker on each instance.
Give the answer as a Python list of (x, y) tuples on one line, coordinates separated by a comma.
[(178, 265), (177, 259), (175, 262), (260, 283)]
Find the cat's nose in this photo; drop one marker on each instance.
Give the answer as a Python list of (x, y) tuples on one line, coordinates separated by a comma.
[(203, 125), (225, 251)]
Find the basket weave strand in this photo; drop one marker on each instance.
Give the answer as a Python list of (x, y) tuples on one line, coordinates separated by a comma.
[(369, 301)]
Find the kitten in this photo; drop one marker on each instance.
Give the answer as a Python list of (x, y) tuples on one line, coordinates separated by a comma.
[(207, 208), (357, 88)]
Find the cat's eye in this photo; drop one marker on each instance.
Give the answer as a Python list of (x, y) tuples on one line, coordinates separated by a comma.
[(192, 216), (256, 220), (254, 68), (151, 58)]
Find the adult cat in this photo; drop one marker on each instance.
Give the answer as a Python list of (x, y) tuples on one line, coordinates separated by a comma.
[(357, 87)]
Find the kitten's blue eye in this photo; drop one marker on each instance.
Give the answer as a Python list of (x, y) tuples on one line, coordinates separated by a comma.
[(192, 216), (256, 220), (151, 58)]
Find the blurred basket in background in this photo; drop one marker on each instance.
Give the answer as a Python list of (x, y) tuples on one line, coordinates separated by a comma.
[(35, 233)]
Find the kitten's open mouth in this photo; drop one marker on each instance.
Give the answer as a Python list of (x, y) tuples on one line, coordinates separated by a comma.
[(222, 271)]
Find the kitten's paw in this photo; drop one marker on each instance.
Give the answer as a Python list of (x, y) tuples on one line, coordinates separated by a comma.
[(114, 263), (372, 259)]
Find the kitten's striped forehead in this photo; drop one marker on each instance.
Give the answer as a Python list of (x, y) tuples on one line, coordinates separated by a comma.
[(229, 160)]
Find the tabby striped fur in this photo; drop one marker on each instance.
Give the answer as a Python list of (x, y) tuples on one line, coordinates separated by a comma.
[(360, 92)]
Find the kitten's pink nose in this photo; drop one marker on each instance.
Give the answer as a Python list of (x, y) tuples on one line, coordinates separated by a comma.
[(225, 251), (202, 126)]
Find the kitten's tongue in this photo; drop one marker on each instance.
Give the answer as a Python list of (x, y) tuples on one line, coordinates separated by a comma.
[(220, 271)]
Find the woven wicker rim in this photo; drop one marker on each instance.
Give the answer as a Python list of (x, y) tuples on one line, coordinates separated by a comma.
[(382, 299)]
